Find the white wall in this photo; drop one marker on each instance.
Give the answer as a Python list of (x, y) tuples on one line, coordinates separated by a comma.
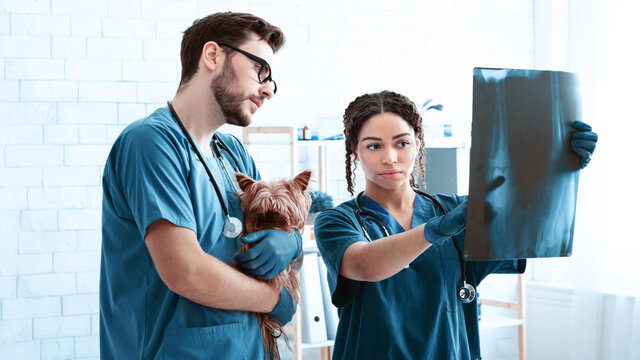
[(74, 73)]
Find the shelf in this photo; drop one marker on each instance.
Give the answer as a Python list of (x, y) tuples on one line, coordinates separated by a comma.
[(316, 345), (430, 142), (498, 321)]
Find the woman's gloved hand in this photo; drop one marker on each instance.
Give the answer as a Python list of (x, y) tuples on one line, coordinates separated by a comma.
[(438, 229), (285, 308), (583, 142), (274, 250)]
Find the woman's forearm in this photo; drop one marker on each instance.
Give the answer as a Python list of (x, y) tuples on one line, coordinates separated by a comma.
[(383, 258)]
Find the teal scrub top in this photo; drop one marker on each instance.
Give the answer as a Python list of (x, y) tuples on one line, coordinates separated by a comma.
[(152, 173), (414, 314)]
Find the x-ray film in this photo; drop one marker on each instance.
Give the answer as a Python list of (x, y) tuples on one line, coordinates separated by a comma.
[(523, 174)]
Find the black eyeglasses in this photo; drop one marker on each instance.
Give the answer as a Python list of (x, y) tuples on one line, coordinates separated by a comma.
[(264, 71)]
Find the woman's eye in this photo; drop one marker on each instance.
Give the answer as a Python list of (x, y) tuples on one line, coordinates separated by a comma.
[(373, 146), (403, 144)]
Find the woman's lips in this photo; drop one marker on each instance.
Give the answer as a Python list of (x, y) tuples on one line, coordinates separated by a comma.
[(391, 174)]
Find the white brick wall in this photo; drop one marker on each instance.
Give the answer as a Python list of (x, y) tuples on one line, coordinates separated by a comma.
[(61, 348), (73, 73)]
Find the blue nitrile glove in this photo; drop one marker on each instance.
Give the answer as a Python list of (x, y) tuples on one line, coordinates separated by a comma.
[(583, 142), (441, 228), (274, 250), (285, 308)]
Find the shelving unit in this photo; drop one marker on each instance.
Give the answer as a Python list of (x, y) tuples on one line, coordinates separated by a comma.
[(497, 321), (288, 130)]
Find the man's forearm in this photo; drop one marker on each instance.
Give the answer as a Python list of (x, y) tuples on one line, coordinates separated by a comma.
[(215, 284), (190, 272)]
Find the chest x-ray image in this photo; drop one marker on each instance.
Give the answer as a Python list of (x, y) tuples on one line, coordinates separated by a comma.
[(524, 175)]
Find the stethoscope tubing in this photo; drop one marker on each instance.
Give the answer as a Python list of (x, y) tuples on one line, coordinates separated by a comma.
[(202, 160)]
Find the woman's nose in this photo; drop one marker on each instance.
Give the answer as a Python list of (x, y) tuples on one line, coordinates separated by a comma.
[(390, 156)]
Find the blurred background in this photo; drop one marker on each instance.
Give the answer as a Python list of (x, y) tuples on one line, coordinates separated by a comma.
[(74, 73)]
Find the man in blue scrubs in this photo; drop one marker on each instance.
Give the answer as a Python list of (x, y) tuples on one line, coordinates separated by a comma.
[(168, 285)]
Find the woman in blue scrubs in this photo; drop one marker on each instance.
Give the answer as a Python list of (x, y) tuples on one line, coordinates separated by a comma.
[(397, 294)]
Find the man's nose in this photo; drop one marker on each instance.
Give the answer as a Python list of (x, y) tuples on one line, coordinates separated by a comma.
[(266, 90)]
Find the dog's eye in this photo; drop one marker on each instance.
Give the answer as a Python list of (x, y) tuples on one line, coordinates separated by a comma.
[(273, 219)]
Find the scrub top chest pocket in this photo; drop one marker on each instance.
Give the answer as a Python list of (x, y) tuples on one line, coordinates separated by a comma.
[(212, 342)]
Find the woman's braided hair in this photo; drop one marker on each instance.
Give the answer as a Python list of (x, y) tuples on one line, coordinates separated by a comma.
[(368, 105)]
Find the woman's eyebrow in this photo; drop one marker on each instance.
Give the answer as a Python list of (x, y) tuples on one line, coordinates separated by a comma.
[(400, 135), (379, 139)]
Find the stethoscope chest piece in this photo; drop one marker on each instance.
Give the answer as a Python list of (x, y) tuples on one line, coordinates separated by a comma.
[(467, 293), (232, 227)]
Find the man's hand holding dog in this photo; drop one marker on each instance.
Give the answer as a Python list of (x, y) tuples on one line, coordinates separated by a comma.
[(274, 250)]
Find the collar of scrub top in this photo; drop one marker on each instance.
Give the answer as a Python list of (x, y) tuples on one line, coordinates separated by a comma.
[(232, 225), (467, 292)]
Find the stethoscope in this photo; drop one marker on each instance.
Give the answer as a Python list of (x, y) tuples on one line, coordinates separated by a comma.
[(232, 225), (466, 293)]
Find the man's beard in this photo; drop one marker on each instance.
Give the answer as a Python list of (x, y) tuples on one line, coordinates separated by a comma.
[(230, 102)]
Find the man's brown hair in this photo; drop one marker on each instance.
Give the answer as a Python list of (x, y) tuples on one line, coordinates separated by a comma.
[(227, 27)]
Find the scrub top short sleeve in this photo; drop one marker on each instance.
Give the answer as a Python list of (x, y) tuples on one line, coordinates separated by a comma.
[(335, 232), (151, 176)]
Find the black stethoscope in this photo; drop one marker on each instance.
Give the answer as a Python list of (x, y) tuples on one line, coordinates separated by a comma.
[(466, 293), (232, 225)]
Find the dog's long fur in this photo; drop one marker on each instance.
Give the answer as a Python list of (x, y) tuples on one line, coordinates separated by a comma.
[(280, 204)]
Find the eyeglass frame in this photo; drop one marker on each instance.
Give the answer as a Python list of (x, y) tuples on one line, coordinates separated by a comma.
[(257, 59)]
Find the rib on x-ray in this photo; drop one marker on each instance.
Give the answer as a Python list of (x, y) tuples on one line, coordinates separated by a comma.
[(524, 175)]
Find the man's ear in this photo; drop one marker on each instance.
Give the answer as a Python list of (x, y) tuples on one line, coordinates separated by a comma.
[(210, 56), (244, 181)]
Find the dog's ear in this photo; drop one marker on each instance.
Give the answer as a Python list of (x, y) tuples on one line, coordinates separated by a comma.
[(302, 180), (244, 181)]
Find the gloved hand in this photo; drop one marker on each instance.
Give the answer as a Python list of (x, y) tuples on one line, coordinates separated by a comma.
[(441, 228), (583, 142), (274, 250), (285, 308)]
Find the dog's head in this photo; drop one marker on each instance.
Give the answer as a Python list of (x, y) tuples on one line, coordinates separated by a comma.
[(281, 204)]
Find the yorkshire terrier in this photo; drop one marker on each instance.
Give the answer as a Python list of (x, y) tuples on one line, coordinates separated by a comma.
[(279, 204)]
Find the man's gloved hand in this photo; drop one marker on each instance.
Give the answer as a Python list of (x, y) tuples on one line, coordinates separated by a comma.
[(583, 142), (285, 308), (274, 250), (438, 229)]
